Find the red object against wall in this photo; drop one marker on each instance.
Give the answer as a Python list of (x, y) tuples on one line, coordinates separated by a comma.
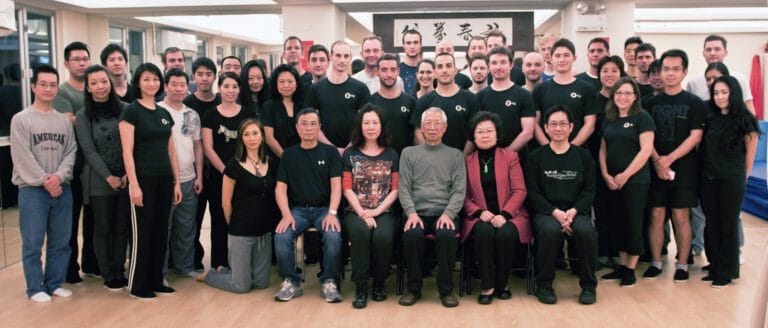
[(305, 44), (756, 86)]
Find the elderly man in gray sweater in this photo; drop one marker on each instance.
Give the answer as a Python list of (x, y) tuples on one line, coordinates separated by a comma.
[(432, 184)]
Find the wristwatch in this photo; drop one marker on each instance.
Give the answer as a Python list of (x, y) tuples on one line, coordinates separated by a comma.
[(332, 212)]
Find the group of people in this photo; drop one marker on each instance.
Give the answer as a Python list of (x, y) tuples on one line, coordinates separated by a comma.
[(418, 150)]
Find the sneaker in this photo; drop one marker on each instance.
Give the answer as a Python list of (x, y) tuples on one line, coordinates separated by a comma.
[(708, 278), (588, 296), (330, 292), (288, 291), (40, 297), (164, 290), (546, 295), (681, 275), (617, 273), (721, 283), (114, 285), (628, 279), (361, 297), (144, 295), (62, 292), (652, 272)]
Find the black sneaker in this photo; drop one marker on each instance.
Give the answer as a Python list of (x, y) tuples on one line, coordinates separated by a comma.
[(681, 275), (708, 278), (721, 283), (114, 285), (652, 272), (546, 295), (361, 297), (617, 273), (74, 279), (379, 293), (145, 295), (588, 296), (628, 279), (164, 290), (706, 267)]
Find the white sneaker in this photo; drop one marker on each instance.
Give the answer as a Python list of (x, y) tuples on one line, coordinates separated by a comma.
[(62, 292), (40, 297)]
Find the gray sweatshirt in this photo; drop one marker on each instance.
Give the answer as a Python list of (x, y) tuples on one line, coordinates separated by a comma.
[(41, 144), (432, 180)]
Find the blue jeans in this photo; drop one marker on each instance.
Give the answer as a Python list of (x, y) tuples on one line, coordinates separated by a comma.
[(181, 231), (285, 246), (41, 216)]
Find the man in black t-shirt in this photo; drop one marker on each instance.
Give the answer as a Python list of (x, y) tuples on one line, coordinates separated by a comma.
[(293, 53), (318, 62), (510, 101), (565, 90), (495, 39), (396, 105), (645, 54), (337, 98), (308, 193), (533, 70), (446, 46), (679, 118), (597, 49), (458, 104)]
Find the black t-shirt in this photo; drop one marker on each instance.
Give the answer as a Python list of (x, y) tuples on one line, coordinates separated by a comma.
[(717, 163), (254, 210), (337, 104), (622, 143), (202, 107), (128, 97), (152, 129), (307, 172), (459, 108), (511, 105), (306, 78), (224, 131), (397, 115), (675, 117), (274, 115), (645, 89), (371, 175), (561, 181), (463, 81), (593, 143), (578, 96), (593, 81)]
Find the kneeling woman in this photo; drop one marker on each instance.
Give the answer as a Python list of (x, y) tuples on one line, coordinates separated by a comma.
[(495, 195), (248, 201), (369, 182)]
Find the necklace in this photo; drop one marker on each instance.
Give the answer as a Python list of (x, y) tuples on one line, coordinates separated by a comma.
[(485, 165), (255, 164)]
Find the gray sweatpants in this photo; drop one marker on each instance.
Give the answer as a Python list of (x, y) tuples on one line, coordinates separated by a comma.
[(250, 265)]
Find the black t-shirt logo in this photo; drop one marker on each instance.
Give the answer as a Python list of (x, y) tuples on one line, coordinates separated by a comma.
[(628, 125), (228, 134), (349, 95), (404, 109), (164, 121), (460, 109), (510, 103), (320, 162), (575, 95)]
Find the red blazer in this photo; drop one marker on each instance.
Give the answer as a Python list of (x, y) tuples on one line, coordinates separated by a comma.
[(510, 188)]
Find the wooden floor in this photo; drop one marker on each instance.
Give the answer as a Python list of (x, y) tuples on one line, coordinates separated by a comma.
[(656, 303)]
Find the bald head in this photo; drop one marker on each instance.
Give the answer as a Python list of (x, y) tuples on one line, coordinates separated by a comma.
[(533, 66), (444, 46)]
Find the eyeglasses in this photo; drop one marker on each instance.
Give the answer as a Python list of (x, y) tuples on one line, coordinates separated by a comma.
[(79, 59), (562, 124), (624, 93)]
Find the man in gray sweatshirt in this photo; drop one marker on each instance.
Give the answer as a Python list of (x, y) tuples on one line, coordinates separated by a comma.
[(432, 185), (43, 149)]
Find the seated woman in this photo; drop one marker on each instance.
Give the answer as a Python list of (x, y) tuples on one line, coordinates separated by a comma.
[(369, 182), (495, 195), (561, 185), (248, 201)]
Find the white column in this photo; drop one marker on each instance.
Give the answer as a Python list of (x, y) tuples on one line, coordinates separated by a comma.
[(322, 24)]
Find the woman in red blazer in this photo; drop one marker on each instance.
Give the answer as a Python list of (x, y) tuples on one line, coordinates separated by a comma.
[(494, 204)]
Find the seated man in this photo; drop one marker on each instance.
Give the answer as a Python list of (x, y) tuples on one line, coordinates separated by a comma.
[(561, 185), (308, 193), (432, 184)]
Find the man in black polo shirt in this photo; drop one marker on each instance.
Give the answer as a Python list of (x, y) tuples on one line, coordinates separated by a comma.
[(510, 101), (396, 104), (679, 117), (458, 104), (597, 49), (337, 98), (308, 193)]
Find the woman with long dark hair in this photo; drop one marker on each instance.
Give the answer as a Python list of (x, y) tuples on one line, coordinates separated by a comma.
[(248, 201), (153, 180), (425, 78), (727, 153), (625, 147), (103, 175), (286, 98), (253, 87), (369, 183)]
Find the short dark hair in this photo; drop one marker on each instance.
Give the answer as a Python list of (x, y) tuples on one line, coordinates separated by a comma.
[(175, 72), (501, 51), (445, 54), (483, 116), (646, 47), (275, 95), (563, 42), (356, 137), (146, 68), (231, 57), (77, 45), (169, 50), (411, 31), (204, 62), (475, 57), (498, 34), (318, 47), (293, 37), (388, 56), (718, 66), (599, 40), (633, 39), (307, 111), (676, 53), (109, 49), (556, 109), (611, 59), (357, 65), (228, 75), (654, 67), (44, 68), (716, 37)]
